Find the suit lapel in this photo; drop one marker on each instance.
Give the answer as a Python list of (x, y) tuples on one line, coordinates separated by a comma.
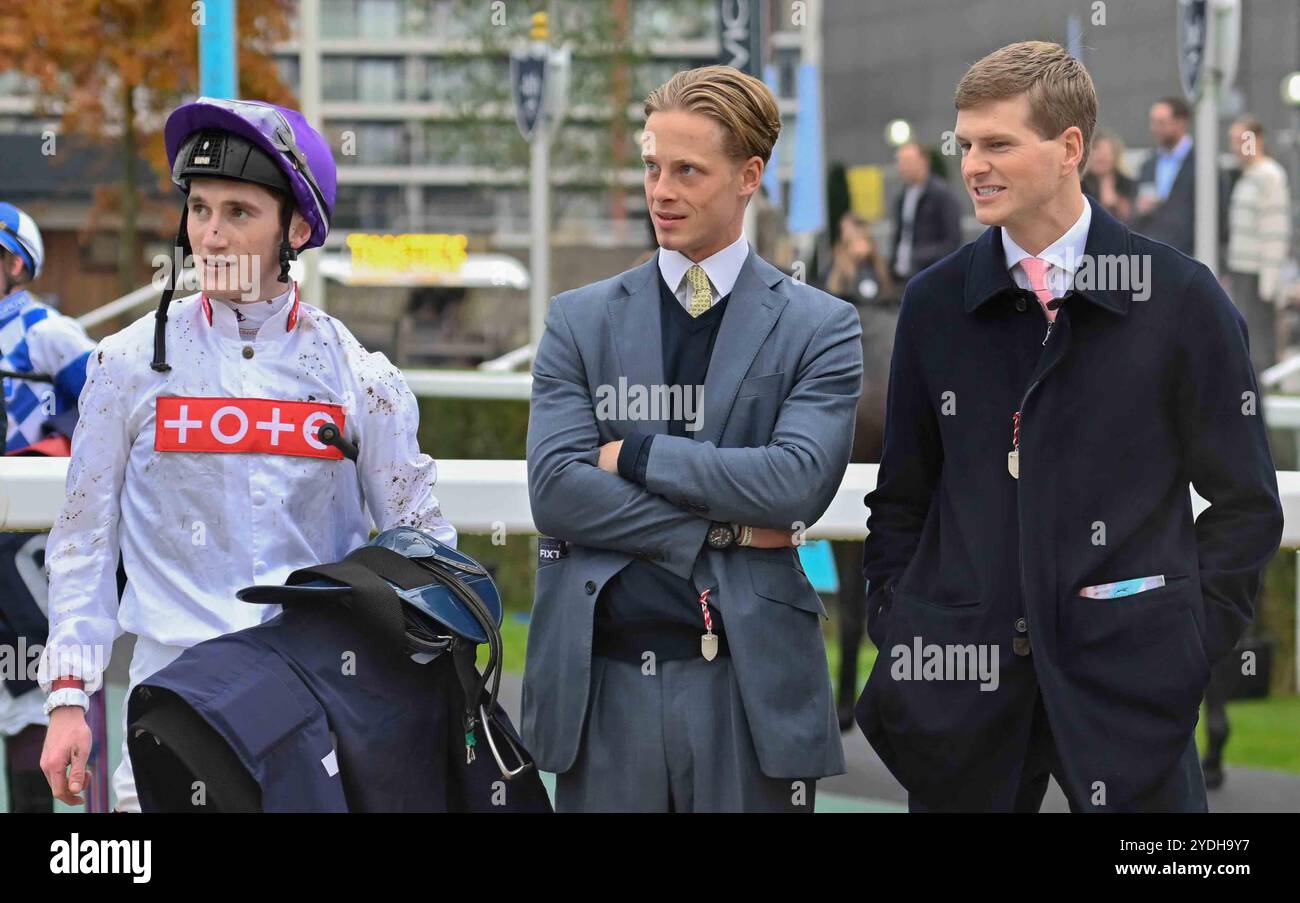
[(750, 315), (638, 334)]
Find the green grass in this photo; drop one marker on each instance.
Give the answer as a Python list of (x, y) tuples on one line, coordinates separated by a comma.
[(1264, 733), (514, 640)]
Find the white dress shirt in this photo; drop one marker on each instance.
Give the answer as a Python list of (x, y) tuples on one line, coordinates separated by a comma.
[(1065, 255), (194, 527), (907, 229), (723, 268)]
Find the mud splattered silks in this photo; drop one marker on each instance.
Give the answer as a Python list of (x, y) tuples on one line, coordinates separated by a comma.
[(194, 526)]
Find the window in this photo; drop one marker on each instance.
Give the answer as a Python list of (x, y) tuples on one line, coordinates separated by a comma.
[(338, 18), (369, 143), (377, 208), (471, 81), (365, 79), (591, 82), (580, 208), (459, 210), (471, 143), (648, 76), (380, 18), (288, 66), (787, 69), (379, 80), (674, 20), (450, 19), (338, 78)]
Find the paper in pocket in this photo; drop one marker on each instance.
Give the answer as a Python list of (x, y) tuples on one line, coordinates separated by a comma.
[(1122, 588)]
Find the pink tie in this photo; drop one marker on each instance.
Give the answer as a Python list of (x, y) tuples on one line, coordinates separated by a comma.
[(1036, 270)]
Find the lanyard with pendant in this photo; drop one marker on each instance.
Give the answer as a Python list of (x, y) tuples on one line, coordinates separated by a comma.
[(1013, 457), (708, 639)]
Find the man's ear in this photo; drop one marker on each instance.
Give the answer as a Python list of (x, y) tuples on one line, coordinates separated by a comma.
[(751, 175), (1073, 147), (13, 268), (299, 231)]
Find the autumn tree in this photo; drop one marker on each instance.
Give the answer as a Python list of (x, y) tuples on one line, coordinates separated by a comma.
[(110, 70)]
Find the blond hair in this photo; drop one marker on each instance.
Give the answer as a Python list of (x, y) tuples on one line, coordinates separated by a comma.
[(740, 103), (1058, 87)]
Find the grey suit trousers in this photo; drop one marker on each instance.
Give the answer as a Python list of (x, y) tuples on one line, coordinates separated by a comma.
[(674, 740)]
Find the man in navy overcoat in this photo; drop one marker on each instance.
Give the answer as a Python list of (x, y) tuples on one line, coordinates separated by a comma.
[(1042, 597)]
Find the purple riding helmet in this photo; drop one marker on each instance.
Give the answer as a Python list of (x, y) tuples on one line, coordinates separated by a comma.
[(248, 141)]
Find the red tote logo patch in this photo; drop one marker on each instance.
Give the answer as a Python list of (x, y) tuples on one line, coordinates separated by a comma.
[(254, 425)]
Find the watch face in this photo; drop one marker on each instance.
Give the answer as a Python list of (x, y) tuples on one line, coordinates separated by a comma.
[(720, 536)]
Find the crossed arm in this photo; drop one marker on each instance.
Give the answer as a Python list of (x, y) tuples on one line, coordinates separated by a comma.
[(573, 480), (572, 497)]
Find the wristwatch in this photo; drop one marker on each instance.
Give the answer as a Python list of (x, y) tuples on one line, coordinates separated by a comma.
[(720, 536), (67, 696)]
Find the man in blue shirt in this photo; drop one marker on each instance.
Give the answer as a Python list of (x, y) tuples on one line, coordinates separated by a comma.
[(1166, 203)]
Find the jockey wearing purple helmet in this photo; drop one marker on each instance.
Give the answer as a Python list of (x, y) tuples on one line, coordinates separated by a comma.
[(250, 141), (277, 444)]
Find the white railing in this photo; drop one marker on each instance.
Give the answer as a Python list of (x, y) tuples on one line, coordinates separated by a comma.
[(482, 496), (479, 496), (1274, 375), (128, 302), (469, 384)]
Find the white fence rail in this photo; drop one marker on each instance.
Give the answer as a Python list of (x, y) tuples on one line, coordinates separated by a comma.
[(482, 496)]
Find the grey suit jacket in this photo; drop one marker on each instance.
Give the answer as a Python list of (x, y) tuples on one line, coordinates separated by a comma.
[(778, 416)]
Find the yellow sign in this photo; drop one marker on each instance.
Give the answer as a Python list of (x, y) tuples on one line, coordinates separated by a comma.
[(408, 253), (867, 191)]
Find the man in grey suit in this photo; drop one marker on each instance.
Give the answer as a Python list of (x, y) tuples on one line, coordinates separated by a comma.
[(690, 417)]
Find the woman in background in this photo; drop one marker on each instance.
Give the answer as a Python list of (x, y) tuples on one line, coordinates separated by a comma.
[(858, 272), (1105, 179)]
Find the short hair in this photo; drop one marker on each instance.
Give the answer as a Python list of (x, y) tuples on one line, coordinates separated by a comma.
[(1250, 122), (921, 148), (1058, 86), (740, 103), (1178, 106)]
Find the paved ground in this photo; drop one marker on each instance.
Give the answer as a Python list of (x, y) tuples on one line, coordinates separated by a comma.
[(867, 787)]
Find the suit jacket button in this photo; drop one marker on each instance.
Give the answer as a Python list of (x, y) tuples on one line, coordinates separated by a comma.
[(1021, 625), (1020, 304), (590, 587)]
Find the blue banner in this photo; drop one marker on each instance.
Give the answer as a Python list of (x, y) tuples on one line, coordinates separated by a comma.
[(808, 187), (218, 63)]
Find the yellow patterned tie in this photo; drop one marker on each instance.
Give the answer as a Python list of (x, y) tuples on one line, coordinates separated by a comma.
[(701, 291)]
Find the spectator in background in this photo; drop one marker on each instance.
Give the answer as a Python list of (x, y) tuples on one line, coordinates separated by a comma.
[(858, 273), (926, 216), (1106, 180), (1259, 233), (1166, 195)]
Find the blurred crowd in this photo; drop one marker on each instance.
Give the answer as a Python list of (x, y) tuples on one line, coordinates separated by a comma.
[(1156, 198)]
